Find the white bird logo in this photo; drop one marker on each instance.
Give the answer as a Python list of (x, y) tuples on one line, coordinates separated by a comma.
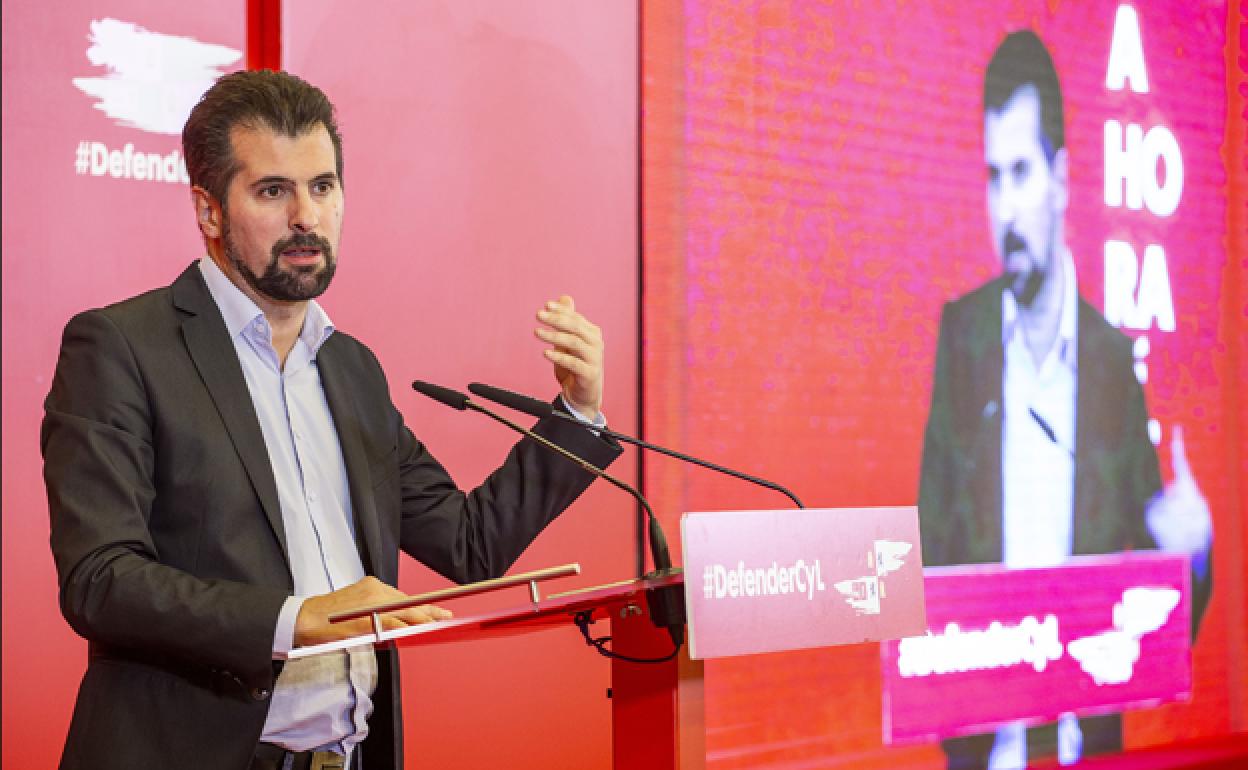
[(1110, 656)]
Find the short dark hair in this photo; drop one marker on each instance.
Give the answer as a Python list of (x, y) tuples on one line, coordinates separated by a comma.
[(1022, 60), (279, 101)]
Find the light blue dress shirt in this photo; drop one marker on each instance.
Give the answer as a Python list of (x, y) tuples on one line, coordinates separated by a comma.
[(321, 702), (1038, 476)]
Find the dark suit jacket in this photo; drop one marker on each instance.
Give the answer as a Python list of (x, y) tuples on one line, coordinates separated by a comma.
[(960, 496), (168, 536), (1116, 473)]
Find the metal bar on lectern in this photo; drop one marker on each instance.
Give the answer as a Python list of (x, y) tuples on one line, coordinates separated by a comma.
[(471, 589)]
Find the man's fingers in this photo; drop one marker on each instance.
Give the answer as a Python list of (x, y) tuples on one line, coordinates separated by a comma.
[(312, 626), (1178, 456), (562, 314), (567, 342), (1179, 519), (569, 362), (430, 613), (576, 352), (572, 325), (415, 616)]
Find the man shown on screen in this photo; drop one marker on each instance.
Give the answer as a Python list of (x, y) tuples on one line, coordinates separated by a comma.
[(1037, 443)]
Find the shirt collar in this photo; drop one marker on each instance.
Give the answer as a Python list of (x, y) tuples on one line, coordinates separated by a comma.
[(1067, 324), (238, 310), (1070, 308)]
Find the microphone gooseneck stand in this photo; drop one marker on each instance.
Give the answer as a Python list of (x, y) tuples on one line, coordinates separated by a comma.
[(666, 603)]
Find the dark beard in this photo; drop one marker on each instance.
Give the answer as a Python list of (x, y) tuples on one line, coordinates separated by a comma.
[(1025, 286), (294, 285)]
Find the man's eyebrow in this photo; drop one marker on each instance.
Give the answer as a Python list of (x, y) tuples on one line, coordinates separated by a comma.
[(265, 181)]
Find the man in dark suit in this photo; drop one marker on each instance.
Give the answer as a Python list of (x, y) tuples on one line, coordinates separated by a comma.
[(225, 470), (1037, 444)]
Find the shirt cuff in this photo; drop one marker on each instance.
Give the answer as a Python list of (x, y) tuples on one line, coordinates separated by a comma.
[(284, 634), (598, 422)]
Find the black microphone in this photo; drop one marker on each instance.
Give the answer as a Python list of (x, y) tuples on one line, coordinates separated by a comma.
[(537, 408), (457, 400), (1049, 433), (452, 398), (666, 609)]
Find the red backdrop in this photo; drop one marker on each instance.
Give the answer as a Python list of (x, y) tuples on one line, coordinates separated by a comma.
[(490, 164), (71, 241), (493, 165)]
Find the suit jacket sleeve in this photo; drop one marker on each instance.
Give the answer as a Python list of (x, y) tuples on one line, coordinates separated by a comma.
[(100, 468), (404, 499), (479, 534)]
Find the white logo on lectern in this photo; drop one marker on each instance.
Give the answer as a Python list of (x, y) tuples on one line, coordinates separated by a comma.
[(864, 593), (1110, 656)]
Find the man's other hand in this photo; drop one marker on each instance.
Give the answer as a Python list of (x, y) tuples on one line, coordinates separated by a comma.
[(1178, 517), (312, 625), (576, 352)]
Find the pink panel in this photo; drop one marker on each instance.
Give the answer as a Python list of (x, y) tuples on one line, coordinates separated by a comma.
[(1019, 645), (490, 164), (767, 581), (86, 222)]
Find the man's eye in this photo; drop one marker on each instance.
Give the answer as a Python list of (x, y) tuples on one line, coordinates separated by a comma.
[(272, 191), (323, 187)]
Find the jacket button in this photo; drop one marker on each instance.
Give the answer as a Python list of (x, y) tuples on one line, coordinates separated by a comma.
[(259, 693)]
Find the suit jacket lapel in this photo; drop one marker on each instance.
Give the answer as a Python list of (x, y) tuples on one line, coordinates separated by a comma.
[(1090, 384), (987, 366), (213, 353), (341, 398)]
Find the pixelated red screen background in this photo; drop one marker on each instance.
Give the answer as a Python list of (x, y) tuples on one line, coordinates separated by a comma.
[(814, 192)]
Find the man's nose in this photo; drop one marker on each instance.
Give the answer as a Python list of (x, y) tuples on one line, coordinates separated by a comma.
[(1008, 206), (304, 216)]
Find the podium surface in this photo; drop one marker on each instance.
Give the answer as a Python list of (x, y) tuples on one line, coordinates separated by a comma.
[(790, 580), (656, 708)]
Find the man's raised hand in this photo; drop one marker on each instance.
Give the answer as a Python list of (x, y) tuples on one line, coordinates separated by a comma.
[(576, 350)]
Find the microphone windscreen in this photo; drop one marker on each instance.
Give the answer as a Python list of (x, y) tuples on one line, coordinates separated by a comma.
[(452, 398), (512, 400)]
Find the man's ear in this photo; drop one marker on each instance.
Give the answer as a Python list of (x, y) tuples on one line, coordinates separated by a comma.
[(207, 212)]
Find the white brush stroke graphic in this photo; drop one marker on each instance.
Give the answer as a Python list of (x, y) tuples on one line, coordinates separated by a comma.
[(153, 79), (890, 555), (1110, 656), (864, 593)]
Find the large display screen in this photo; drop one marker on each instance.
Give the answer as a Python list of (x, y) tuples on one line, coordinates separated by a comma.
[(824, 183)]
